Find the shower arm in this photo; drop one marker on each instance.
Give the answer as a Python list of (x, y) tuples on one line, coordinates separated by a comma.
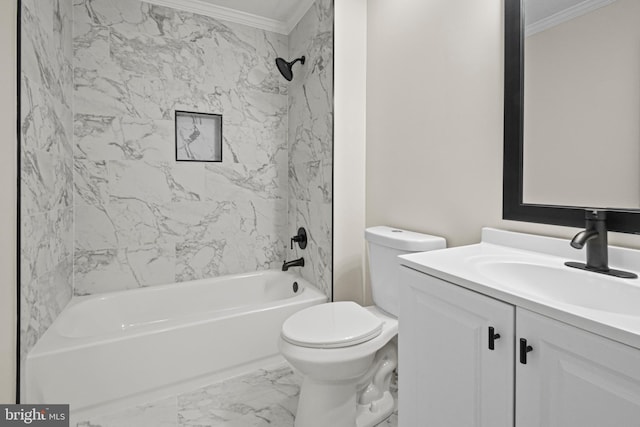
[(301, 60)]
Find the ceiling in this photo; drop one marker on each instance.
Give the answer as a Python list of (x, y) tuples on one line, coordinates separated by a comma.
[(280, 16)]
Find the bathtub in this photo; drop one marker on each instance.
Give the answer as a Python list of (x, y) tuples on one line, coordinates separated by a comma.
[(125, 346)]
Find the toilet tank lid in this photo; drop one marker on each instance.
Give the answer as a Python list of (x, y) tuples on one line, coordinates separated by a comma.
[(404, 240)]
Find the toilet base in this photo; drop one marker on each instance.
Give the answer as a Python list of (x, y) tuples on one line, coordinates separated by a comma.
[(363, 401), (375, 412), (322, 404)]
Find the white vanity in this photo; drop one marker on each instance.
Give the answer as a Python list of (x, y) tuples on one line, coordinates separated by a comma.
[(502, 333)]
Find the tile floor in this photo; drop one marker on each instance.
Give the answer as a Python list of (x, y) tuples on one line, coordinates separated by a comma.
[(260, 398)]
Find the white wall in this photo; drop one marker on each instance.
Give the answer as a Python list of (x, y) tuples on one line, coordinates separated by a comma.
[(349, 148), (8, 109), (434, 116), (434, 119)]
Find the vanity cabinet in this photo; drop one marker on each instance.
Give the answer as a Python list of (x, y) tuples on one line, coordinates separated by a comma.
[(574, 377), (450, 376)]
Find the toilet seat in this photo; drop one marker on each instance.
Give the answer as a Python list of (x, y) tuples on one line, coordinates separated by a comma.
[(332, 325)]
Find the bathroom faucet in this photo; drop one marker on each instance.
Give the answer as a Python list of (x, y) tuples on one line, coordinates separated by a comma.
[(595, 237), (295, 263)]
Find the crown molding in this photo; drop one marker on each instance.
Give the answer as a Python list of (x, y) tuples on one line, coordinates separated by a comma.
[(298, 13), (203, 8), (565, 15)]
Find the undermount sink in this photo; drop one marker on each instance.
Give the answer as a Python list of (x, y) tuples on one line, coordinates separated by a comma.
[(565, 285)]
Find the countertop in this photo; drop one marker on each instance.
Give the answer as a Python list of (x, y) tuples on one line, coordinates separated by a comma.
[(459, 267)]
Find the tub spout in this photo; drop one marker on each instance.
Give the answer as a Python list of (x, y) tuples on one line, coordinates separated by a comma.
[(295, 263)]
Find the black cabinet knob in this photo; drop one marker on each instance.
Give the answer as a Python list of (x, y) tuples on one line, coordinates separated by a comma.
[(524, 349), (492, 337)]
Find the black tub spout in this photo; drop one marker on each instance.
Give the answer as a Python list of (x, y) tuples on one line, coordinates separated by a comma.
[(295, 263)]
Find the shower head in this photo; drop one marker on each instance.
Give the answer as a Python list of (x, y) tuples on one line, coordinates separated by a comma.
[(285, 67)]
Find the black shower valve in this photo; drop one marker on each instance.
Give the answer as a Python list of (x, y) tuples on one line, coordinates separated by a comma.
[(300, 238)]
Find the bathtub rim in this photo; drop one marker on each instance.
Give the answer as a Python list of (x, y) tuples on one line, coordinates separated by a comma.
[(53, 342)]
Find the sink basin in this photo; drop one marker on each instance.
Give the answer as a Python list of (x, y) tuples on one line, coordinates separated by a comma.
[(565, 285)]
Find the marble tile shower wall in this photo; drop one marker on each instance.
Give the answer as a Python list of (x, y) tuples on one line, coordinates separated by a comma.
[(46, 173), (140, 217), (311, 141)]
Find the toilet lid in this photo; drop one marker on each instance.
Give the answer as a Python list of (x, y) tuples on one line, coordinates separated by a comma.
[(332, 325)]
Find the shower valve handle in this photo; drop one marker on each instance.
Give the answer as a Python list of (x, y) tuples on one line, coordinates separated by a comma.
[(300, 238)]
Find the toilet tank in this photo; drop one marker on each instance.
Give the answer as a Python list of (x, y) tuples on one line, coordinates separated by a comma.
[(385, 244)]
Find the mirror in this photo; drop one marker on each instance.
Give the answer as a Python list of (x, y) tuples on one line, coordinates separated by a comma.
[(572, 111), (582, 102)]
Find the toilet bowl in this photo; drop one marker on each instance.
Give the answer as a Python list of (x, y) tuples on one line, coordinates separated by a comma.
[(347, 353), (342, 380)]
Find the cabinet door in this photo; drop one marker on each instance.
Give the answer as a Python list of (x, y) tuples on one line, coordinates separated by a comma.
[(574, 378), (448, 376)]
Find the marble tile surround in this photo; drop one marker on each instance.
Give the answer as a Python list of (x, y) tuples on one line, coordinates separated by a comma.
[(311, 142), (141, 218), (266, 397), (46, 172), (105, 205)]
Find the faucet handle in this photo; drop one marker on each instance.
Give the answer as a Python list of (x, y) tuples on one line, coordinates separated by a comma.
[(595, 214), (300, 238)]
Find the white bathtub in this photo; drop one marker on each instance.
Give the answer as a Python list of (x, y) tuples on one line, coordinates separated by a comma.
[(113, 347)]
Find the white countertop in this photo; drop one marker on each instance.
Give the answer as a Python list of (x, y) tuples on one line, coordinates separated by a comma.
[(459, 266)]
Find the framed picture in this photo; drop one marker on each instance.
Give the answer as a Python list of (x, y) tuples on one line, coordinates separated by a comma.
[(198, 137)]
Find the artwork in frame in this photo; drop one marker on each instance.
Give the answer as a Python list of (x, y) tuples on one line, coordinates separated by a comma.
[(198, 137)]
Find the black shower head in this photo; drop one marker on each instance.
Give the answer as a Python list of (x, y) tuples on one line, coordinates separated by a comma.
[(285, 67)]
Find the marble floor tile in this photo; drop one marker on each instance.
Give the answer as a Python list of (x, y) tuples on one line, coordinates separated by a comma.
[(260, 398), (162, 413)]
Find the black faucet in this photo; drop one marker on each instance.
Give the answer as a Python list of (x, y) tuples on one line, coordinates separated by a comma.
[(595, 237), (295, 263)]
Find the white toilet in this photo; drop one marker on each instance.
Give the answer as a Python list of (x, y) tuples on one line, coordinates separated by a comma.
[(347, 353)]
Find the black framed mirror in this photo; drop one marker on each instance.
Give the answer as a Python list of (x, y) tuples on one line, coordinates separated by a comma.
[(626, 220)]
